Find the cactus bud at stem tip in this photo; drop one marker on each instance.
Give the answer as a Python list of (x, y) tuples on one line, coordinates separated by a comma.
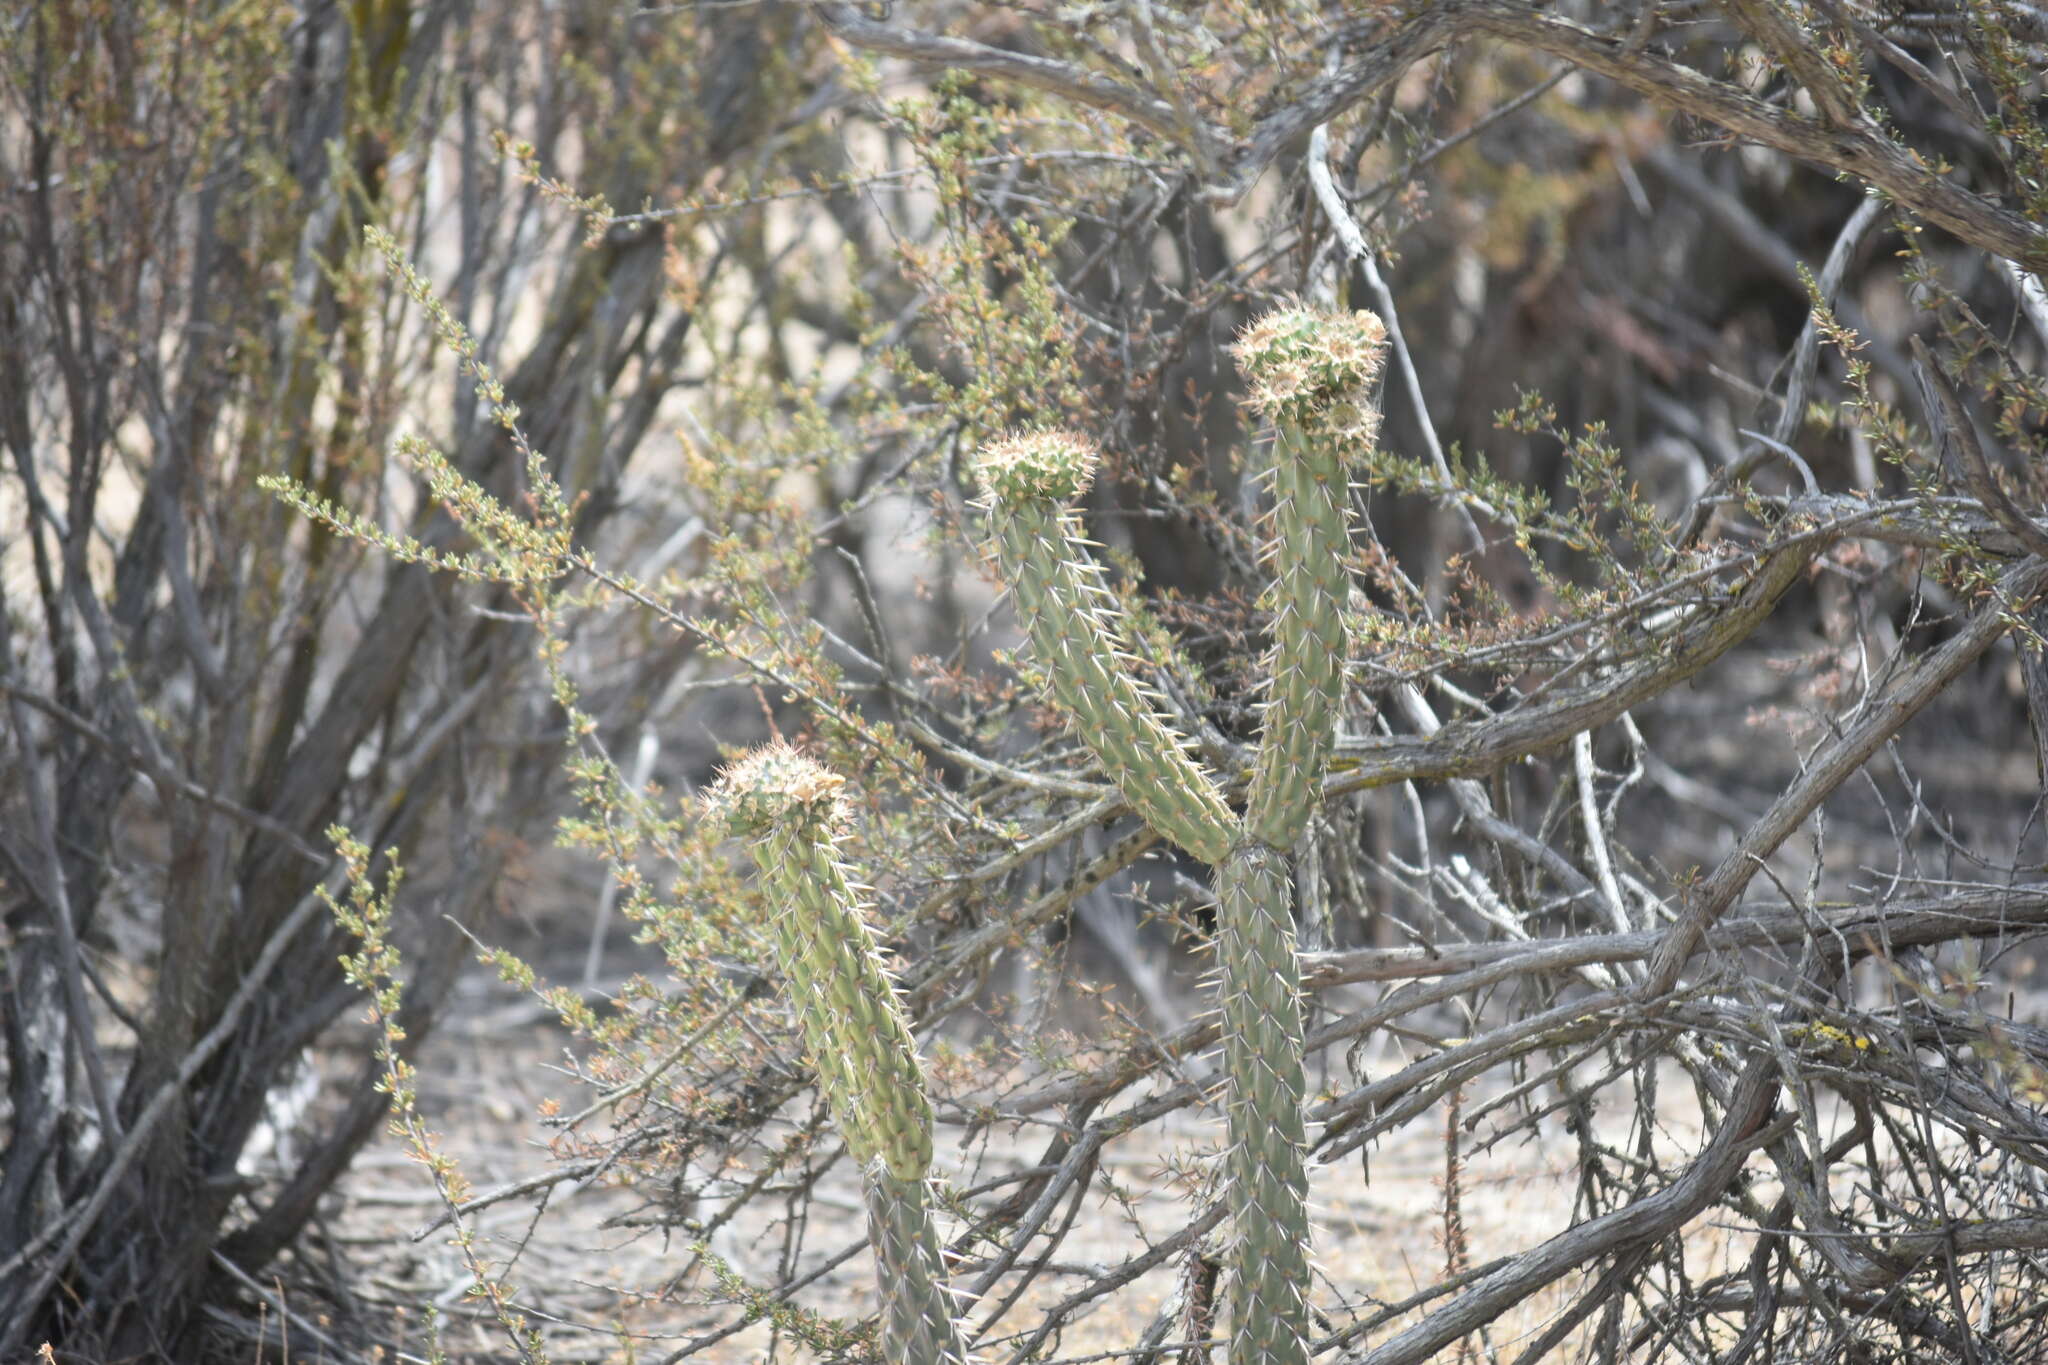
[(1301, 361), (1041, 464), (773, 783)]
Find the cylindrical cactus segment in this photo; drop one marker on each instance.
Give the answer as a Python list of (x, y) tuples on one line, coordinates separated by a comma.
[(854, 1028), (855, 1032), (1311, 372), (918, 1324), (1266, 1162), (1305, 668), (1071, 616)]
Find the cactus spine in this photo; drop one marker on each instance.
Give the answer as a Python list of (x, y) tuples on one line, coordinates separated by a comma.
[(1311, 374), (854, 1029)]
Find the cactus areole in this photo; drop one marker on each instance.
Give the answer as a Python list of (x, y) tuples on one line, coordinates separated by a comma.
[(1315, 370)]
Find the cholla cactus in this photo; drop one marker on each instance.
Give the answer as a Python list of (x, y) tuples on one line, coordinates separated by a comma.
[(1311, 373), (1028, 479), (854, 1029)]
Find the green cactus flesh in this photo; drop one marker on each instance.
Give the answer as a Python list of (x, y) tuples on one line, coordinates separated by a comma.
[(854, 1028), (1265, 1163), (1311, 518), (1071, 618), (918, 1324), (853, 1025), (855, 1032)]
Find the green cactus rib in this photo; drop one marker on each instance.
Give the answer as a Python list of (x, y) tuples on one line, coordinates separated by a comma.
[(855, 1032), (853, 1023), (1070, 616), (1265, 1163), (918, 1325), (1310, 372), (1311, 520)]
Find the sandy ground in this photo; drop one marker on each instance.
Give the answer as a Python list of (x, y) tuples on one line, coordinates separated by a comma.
[(486, 1075)]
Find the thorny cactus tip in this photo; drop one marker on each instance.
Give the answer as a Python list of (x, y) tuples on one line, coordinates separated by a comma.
[(772, 783), (1040, 464), (1313, 366)]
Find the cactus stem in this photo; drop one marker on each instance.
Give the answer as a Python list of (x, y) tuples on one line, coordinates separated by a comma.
[(854, 1028), (1072, 619), (1265, 1161)]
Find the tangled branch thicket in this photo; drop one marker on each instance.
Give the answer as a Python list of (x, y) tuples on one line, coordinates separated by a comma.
[(1681, 814)]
